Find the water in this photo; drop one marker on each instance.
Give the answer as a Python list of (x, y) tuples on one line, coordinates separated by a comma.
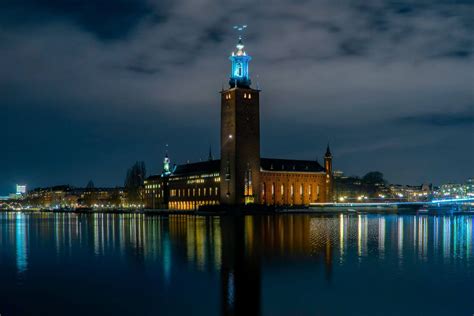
[(79, 264)]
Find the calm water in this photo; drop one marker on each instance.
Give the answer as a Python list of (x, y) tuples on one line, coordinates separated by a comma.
[(77, 264)]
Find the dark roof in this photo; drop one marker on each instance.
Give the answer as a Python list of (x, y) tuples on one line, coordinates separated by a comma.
[(290, 165), (268, 164), (209, 166), (153, 177)]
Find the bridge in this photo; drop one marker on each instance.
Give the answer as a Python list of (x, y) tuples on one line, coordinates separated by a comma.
[(394, 205)]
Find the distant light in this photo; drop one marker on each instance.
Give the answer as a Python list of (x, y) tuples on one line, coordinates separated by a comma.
[(230, 136), (20, 189)]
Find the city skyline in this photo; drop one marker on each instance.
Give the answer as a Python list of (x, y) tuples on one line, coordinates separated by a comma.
[(87, 98)]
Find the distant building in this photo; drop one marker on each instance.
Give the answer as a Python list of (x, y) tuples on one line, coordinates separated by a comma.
[(241, 176), (20, 189), (457, 190), (63, 196), (411, 193)]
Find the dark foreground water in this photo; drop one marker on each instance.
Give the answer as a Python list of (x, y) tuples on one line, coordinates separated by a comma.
[(73, 264)]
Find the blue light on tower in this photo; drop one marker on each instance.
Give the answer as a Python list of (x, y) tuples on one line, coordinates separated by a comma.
[(240, 67)]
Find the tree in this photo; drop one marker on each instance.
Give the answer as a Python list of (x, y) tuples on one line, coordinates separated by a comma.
[(90, 194), (374, 177), (134, 180), (90, 185)]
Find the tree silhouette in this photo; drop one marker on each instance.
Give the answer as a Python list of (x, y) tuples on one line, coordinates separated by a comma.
[(134, 181)]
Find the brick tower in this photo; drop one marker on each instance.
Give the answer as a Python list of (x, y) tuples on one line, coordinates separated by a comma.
[(240, 135)]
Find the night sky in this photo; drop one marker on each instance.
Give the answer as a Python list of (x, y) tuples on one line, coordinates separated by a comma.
[(89, 87)]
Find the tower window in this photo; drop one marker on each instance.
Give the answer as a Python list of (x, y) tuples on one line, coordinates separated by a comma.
[(249, 96), (238, 70)]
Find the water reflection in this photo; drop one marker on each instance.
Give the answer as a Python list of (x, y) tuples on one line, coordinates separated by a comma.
[(237, 249), (21, 237)]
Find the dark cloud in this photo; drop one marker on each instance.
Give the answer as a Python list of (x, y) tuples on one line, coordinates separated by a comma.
[(106, 19), (89, 87), (441, 119)]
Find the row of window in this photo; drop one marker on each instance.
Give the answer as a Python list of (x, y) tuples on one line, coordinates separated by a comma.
[(199, 177), (302, 190), (246, 96), (195, 192), (176, 205), (148, 192), (152, 186)]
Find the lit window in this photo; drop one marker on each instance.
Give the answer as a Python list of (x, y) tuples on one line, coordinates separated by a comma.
[(250, 96), (238, 70), (216, 191), (245, 95)]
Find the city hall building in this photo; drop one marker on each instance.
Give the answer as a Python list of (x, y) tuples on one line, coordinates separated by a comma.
[(240, 176)]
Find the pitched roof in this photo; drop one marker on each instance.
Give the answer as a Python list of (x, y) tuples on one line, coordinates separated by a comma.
[(267, 164), (290, 165), (209, 166)]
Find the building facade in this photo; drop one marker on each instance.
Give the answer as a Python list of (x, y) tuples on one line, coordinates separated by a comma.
[(240, 176)]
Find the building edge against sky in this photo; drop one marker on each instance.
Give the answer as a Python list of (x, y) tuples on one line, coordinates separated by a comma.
[(241, 176)]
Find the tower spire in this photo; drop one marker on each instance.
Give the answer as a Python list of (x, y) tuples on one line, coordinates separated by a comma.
[(328, 152), (210, 154), (166, 163), (239, 76)]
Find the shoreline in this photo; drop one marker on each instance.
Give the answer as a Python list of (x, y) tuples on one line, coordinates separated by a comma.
[(250, 211)]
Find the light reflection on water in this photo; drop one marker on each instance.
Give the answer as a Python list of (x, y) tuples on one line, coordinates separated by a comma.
[(240, 263)]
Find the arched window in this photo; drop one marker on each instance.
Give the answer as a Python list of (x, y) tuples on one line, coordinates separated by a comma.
[(238, 70)]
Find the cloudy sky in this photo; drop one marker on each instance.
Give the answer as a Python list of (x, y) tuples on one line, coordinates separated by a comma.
[(89, 87)]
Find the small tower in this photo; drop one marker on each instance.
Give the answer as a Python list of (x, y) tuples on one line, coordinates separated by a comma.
[(166, 165), (210, 157), (329, 178)]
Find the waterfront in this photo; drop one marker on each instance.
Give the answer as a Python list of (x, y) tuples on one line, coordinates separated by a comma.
[(357, 264)]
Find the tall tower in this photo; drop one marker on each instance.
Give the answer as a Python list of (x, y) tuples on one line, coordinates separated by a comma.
[(329, 178), (240, 135)]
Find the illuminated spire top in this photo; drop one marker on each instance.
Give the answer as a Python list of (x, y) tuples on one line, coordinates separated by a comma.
[(240, 48), (239, 76), (166, 164)]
